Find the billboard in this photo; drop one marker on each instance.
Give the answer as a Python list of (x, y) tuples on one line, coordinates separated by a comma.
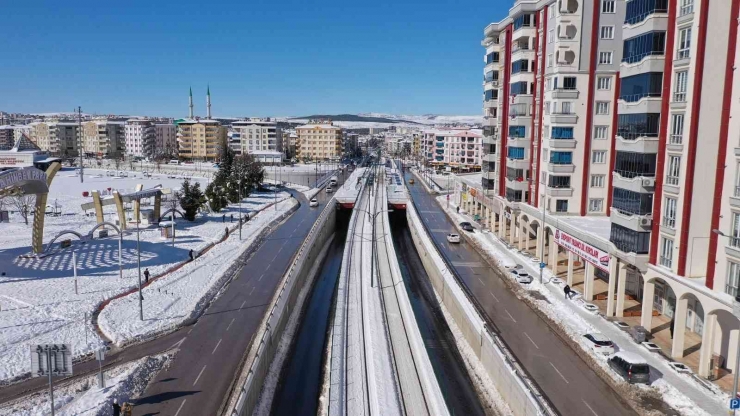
[(587, 252)]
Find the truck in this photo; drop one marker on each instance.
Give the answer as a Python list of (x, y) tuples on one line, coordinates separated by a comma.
[(333, 181)]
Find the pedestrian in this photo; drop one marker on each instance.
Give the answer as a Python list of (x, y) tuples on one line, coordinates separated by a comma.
[(232, 218), (116, 408), (227, 232), (458, 209), (146, 275), (673, 323), (223, 218), (192, 257), (566, 289)]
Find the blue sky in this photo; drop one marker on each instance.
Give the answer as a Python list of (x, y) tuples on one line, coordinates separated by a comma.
[(260, 57)]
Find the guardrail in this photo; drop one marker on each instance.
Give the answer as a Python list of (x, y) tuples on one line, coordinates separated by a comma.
[(521, 376)]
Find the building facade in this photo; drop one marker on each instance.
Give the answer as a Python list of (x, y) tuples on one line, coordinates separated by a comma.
[(104, 138), (165, 139), (257, 134), (60, 139), (620, 117), (319, 141), (7, 137), (199, 139)]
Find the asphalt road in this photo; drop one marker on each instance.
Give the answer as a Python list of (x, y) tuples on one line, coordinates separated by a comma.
[(567, 380)]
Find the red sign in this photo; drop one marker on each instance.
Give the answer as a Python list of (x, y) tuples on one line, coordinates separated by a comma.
[(583, 250)]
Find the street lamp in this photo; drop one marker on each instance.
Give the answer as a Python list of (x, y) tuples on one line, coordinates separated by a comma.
[(737, 347), (138, 262)]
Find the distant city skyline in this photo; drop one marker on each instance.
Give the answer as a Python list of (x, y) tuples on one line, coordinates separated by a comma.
[(285, 58)]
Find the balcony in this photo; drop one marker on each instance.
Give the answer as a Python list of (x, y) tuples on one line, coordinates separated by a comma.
[(561, 167), (517, 163), (563, 118), (632, 221), (559, 192), (642, 144), (562, 143), (517, 184), (490, 103), (567, 32), (639, 183), (563, 94)]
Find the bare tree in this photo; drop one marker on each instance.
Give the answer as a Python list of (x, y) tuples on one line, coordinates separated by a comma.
[(23, 204)]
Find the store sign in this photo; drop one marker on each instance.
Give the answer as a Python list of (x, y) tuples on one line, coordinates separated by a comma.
[(24, 177), (13, 161), (585, 251)]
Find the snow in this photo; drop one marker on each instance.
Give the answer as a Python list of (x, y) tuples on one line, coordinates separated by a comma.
[(38, 303), (680, 391), (83, 397), (598, 226), (630, 357)]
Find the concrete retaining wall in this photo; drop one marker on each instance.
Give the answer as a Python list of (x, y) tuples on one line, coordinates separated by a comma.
[(500, 365), (246, 392)]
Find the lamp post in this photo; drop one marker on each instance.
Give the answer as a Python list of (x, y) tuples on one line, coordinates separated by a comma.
[(736, 370), (138, 262), (240, 210)]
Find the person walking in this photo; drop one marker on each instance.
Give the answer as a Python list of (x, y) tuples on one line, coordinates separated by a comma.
[(146, 275), (116, 408), (673, 323), (192, 257), (223, 218), (227, 232), (566, 289), (232, 218)]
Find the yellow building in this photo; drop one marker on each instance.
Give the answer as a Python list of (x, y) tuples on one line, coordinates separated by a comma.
[(200, 139), (320, 141), (56, 137), (103, 138)]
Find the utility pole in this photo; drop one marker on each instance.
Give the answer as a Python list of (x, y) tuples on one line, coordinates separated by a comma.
[(138, 260), (80, 147)]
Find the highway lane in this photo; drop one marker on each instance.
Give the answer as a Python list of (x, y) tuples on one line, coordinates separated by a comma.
[(202, 371), (567, 380)]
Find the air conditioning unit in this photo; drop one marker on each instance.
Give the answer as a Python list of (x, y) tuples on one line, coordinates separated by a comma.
[(646, 222), (648, 182)]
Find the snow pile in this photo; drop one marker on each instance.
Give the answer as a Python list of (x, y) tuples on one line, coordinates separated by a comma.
[(185, 292)]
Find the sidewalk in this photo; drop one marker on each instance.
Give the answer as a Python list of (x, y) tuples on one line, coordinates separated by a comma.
[(682, 391)]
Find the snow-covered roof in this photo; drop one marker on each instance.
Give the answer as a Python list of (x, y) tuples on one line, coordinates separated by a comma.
[(199, 121), (631, 357), (597, 226), (318, 126)]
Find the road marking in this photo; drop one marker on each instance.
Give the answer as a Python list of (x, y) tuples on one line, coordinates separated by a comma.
[(494, 296), (217, 344), (260, 278), (250, 292), (180, 408), (561, 374), (531, 340), (232, 321), (481, 280), (199, 374), (512, 318), (191, 330), (240, 308), (589, 408)]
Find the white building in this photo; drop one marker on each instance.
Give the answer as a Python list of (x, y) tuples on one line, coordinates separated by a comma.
[(141, 138), (256, 134)]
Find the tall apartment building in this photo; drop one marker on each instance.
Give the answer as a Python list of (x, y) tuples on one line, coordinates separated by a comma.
[(620, 115), (200, 139), (165, 139), (59, 138), (321, 140), (103, 138), (257, 134), (7, 137), (141, 138)]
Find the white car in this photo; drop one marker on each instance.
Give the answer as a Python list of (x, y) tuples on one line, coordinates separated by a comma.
[(453, 238), (523, 277), (329, 190), (313, 202), (599, 343)]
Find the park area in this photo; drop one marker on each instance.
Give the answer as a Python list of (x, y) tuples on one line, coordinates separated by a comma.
[(42, 302)]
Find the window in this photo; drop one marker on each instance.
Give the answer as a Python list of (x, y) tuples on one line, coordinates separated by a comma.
[(605, 58), (677, 129), (566, 108), (737, 180), (735, 234), (636, 87), (684, 43), (549, 60), (543, 177), (687, 7), (607, 32), (517, 131), (598, 156), (639, 10), (679, 93), (547, 107), (636, 48), (550, 35), (674, 169), (561, 205), (597, 181), (547, 131), (595, 205), (522, 21), (548, 84), (561, 158), (569, 83), (555, 181), (607, 6), (562, 132), (600, 132), (492, 58), (669, 212), (516, 152), (629, 241), (666, 252), (521, 65), (604, 83), (633, 126), (551, 11), (732, 285), (602, 107)]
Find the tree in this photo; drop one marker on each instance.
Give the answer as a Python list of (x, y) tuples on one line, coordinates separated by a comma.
[(191, 199), (23, 204)]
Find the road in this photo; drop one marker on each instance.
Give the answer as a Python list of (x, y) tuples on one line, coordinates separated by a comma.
[(200, 376), (567, 381)]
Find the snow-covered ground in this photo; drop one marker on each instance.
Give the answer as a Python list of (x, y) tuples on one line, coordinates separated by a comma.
[(83, 397), (680, 391), (38, 300)]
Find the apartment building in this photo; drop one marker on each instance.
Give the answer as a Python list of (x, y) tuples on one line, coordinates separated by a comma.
[(140, 138), (104, 138), (165, 139), (7, 137), (628, 154), (59, 138), (320, 140), (257, 134), (456, 148), (200, 139)]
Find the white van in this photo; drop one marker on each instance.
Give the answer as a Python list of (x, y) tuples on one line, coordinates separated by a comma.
[(174, 162)]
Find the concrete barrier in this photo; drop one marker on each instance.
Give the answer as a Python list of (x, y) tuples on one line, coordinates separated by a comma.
[(247, 388), (517, 390)]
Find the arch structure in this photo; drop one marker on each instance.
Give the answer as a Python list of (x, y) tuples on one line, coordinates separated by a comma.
[(61, 233)]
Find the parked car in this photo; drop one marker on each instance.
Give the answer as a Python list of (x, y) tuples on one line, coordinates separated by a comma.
[(467, 226), (313, 202), (329, 190), (512, 267), (631, 367), (523, 277), (600, 344), (453, 238)]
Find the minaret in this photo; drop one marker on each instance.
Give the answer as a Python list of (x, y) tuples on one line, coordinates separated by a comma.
[(208, 102), (191, 102)]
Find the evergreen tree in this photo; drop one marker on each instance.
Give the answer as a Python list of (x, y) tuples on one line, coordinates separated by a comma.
[(191, 199)]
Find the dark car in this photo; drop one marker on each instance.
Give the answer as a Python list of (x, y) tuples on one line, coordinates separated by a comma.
[(467, 226), (631, 367)]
